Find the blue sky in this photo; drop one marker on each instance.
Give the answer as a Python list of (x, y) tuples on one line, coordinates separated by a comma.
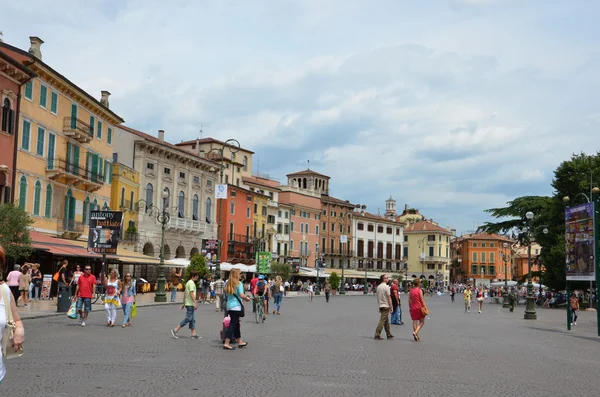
[(451, 106)]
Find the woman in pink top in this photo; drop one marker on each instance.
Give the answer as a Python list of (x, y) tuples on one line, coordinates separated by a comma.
[(416, 303), (127, 299), (12, 280)]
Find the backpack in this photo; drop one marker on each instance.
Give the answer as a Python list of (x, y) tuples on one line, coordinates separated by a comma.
[(260, 287)]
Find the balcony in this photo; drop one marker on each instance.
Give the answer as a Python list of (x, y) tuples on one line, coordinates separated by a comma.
[(273, 203), (69, 229), (186, 225), (77, 129), (73, 174), (337, 252), (131, 237), (437, 259), (126, 205)]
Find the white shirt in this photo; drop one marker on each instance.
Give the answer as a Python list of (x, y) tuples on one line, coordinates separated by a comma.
[(3, 325), (310, 288)]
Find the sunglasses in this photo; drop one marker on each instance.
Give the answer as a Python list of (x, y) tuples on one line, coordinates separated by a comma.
[(87, 268)]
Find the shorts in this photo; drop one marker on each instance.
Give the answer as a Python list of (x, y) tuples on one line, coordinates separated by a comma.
[(86, 303), (467, 303), (479, 299)]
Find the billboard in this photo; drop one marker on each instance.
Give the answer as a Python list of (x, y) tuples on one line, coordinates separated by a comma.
[(263, 261), (579, 237), (210, 248), (105, 231), (221, 191)]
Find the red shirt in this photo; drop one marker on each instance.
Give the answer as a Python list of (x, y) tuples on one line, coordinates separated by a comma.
[(393, 288), (253, 283), (86, 286)]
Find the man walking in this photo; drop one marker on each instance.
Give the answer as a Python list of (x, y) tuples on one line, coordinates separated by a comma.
[(219, 287), (468, 296), (384, 299), (396, 305), (190, 305), (327, 291), (86, 288)]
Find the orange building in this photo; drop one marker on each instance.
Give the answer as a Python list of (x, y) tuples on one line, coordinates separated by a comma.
[(481, 256), (522, 261)]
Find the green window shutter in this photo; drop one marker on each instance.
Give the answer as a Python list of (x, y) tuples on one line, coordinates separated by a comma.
[(43, 94), (54, 102), (25, 135), (29, 90), (87, 165), (68, 156), (40, 141), (94, 175), (109, 136), (92, 121), (99, 132), (76, 160), (23, 192), (37, 197), (73, 116), (101, 176), (48, 201)]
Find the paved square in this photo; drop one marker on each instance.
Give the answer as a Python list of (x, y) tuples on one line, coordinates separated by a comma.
[(312, 349)]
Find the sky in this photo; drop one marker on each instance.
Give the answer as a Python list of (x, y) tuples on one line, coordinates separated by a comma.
[(451, 107)]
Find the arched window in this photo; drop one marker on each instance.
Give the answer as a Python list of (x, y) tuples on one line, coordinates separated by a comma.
[(208, 210), (166, 201), (86, 211), (95, 206), (131, 201), (105, 207), (195, 207), (181, 205), (149, 195), (48, 210), (23, 192), (122, 197), (8, 117), (245, 162), (37, 198)]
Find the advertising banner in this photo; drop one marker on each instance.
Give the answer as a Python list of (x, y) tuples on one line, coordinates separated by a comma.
[(221, 191), (211, 248), (263, 262), (105, 231), (294, 264), (579, 237)]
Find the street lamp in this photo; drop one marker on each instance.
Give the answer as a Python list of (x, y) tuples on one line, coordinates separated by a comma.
[(163, 217), (421, 243), (506, 257), (530, 313)]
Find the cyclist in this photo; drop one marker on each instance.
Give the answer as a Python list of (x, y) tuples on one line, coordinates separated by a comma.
[(259, 291)]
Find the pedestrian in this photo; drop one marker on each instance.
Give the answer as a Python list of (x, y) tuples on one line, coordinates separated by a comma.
[(19, 332), (204, 290), (260, 290), (190, 305), (234, 290), (75, 278), (36, 277), (219, 286), (128, 294), (384, 300), (253, 283), (418, 308), (396, 317), (84, 291), (468, 295), (310, 290), (24, 282), (480, 297), (278, 291), (574, 303), (111, 299), (175, 280), (327, 290), (286, 288), (12, 280)]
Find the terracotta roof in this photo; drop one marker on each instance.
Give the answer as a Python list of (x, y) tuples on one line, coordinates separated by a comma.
[(424, 227), (27, 73), (261, 181), (209, 140), (308, 171), (154, 139), (334, 200), (34, 60), (486, 236), (368, 215)]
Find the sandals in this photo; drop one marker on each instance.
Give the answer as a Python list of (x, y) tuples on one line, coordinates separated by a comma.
[(228, 348), (416, 337)]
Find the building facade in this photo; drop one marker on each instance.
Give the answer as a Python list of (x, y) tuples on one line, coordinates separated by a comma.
[(187, 181), (124, 197), (65, 146), (336, 232), (13, 75), (268, 187), (427, 249)]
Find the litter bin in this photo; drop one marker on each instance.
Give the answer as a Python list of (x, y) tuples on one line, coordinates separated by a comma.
[(64, 298)]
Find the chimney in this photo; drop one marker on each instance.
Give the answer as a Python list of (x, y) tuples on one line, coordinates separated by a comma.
[(161, 135), (198, 151), (104, 98), (36, 46)]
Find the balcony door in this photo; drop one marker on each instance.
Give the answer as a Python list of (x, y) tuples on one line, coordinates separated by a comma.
[(73, 116), (51, 150), (69, 221)]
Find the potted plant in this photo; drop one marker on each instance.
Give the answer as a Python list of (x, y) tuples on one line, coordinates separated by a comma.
[(334, 281)]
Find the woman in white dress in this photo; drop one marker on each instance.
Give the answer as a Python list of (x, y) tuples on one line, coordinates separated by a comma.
[(19, 336), (310, 290), (111, 300)]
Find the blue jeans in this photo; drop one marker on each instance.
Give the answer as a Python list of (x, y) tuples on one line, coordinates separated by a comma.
[(173, 294), (127, 312), (396, 317), (190, 318), (277, 301)]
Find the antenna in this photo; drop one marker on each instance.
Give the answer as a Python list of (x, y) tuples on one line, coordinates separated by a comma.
[(257, 164), (201, 129)]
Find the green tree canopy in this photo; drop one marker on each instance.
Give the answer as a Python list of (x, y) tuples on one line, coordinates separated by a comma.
[(198, 264), (334, 280), (14, 231), (281, 269)]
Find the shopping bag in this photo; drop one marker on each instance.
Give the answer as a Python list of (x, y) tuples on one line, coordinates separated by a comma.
[(72, 312), (134, 310)]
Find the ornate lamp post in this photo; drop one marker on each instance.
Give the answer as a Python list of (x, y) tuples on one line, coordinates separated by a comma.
[(422, 243), (530, 313), (506, 258)]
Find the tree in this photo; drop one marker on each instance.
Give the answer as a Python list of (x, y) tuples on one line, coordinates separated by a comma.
[(334, 281), (398, 277), (281, 269), (197, 264), (14, 231)]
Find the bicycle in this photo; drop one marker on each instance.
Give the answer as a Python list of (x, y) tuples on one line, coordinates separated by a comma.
[(259, 314), (99, 295)]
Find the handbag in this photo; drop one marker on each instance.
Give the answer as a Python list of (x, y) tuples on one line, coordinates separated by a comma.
[(72, 313), (9, 331), (243, 312), (134, 310), (424, 311)]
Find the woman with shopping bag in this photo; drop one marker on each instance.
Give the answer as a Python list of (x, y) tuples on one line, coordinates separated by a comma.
[(112, 301), (127, 299)]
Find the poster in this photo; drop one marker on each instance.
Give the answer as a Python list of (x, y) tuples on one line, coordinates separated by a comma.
[(46, 284), (221, 191), (263, 262), (105, 231), (294, 264), (579, 237)]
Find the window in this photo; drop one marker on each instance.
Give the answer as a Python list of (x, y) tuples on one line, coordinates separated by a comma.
[(196, 180), (474, 256), (405, 252), (249, 198), (131, 201), (23, 192), (99, 132), (54, 102), (255, 208), (360, 226), (25, 135), (167, 171), (149, 195), (181, 205), (232, 209), (255, 229), (245, 163), (482, 245), (237, 181), (208, 210), (405, 238), (291, 245), (248, 213), (29, 90), (483, 257), (431, 237), (8, 117), (333, 227), (195, 216), (286, 215), (40, 141), (279, 213), (122, 197), (264, 210), (492, 270), (149, 166), (208, 183), (37, 198), (109, 136), (474, 244), (92, 124), (492, 258), (431, 252), (474, 269), (316, 229), (302, 228), (48, 209), (182, 175), (388, 230), (316, 247), (286, 229), (293, 212), (397, 231), (167, 201), (370, 228), (233, 193), (43, 95), (492, 245), (291, 226)]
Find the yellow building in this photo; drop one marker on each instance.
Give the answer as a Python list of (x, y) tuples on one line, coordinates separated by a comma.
[(124, 196), (259, 216), (427, 246), (64, 148)]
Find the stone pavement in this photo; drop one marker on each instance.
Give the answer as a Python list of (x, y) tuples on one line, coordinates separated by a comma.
[(312, 349)]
